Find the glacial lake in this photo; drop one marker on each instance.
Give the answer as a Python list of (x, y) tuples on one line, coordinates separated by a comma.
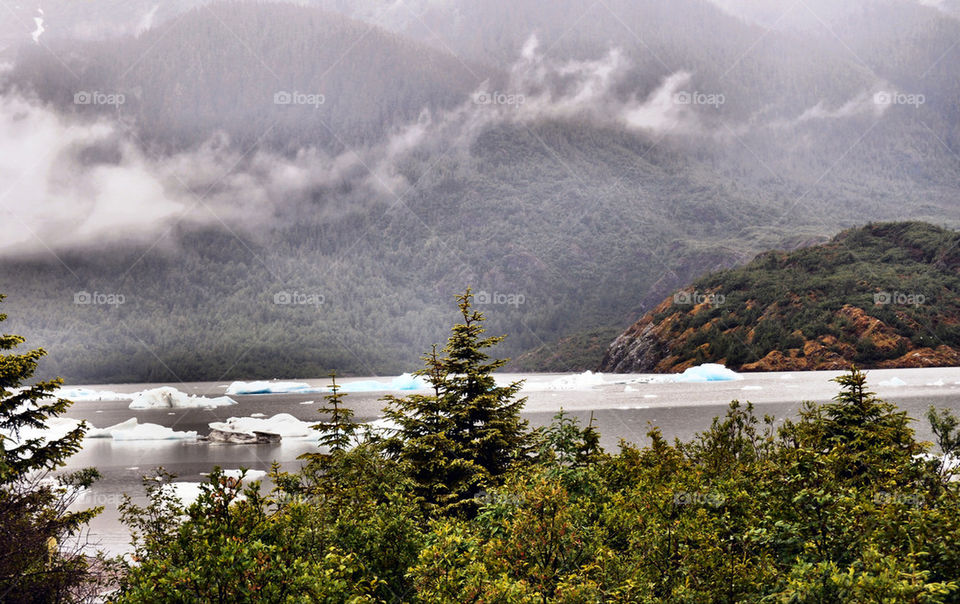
[(622, 407)]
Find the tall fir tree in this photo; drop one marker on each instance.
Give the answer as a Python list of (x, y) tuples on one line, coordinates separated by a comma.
[(339, 431), (463, 437), (34, 520)]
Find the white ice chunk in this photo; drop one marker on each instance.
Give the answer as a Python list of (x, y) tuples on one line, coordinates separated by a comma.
[(108, 431), (405, 381), (83, 395), (708, 372), (284, 424), (581, 381), (140, 432), (267, 387), (167, 398), (937, 383), (629, 389), (752, 388), (894, 381)]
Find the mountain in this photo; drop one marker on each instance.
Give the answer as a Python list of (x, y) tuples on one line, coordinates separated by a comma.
[(220, 68), (573, 165), (884, 295)]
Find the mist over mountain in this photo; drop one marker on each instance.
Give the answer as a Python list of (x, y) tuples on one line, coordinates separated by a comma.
[(575, 164)]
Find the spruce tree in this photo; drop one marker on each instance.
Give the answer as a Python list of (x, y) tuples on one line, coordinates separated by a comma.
[(339, 431), (463, 437), (33, 509)]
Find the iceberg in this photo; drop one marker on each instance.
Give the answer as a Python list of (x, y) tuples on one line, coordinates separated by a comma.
[(403, 382), (708, 372), (937, 383), (132, 430), (140, 432), (581, 381), (167, 398), (894, 381), (107, 432), (85, 395), (281, 424), (238, 388)]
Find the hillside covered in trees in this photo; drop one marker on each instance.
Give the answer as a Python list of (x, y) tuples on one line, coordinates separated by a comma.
[(884, 295), (607, 187)]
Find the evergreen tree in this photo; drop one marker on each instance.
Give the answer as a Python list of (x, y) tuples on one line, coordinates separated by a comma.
[(339, 431), (464, 436), (33, 516)]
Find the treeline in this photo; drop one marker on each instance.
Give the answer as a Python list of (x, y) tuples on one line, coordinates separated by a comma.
[(462, 502)]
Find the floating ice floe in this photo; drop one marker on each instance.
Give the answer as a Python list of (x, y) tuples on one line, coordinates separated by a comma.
[(649, 396), (167, 398), (709, 372), (894, 381), (581, 381), (937, 383), (403, 382), (238, 388), (84, 395), (281, 427), (629, 389), (752, 388), (132, 430), (281, 424)]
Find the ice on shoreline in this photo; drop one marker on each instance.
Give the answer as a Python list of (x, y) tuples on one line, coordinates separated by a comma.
[(171, 398)]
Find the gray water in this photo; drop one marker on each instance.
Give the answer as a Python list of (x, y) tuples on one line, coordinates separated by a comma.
[(680, 410)]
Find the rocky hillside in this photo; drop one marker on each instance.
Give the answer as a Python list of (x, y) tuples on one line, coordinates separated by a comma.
[(884, 295)]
